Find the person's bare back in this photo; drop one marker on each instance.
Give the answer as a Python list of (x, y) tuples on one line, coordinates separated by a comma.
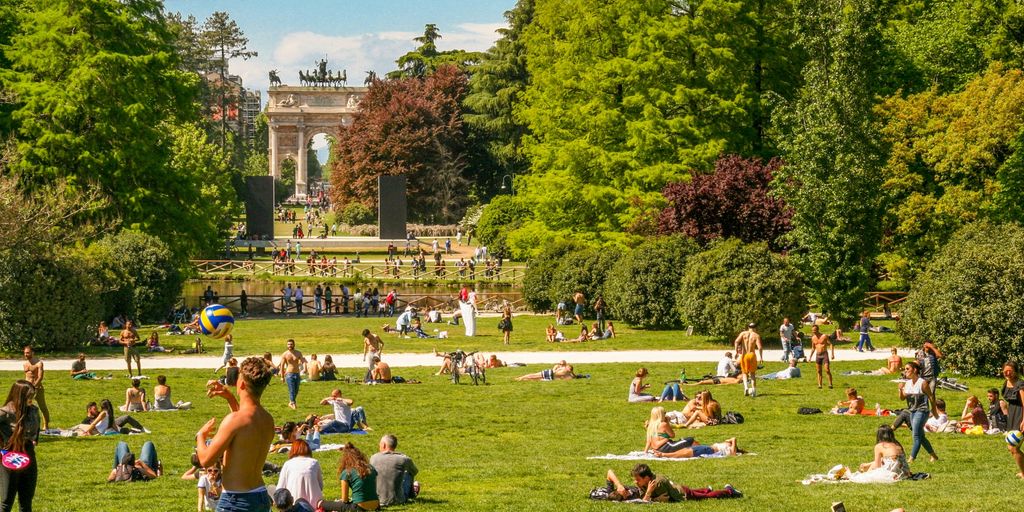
[(244, 434)]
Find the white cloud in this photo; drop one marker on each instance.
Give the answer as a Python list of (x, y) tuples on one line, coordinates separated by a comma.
[(355, 54)]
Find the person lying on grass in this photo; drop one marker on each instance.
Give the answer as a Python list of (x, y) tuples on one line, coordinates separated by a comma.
[(650, 487), (723, 449), (560, 371)]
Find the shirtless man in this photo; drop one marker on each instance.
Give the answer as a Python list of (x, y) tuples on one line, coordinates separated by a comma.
[(314, 368), (129, 338), (560, 371), (746, 343), (290, 370), (242, 439), (381, 371), (581, 302), (374, 346), (34, 374), (820, 344)]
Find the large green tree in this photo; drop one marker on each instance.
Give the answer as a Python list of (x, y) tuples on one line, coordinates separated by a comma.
[(426, 58), (222, 40), (625, 97), (98, 94), (834, 154)]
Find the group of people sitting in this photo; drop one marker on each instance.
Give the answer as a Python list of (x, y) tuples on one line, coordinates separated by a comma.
[(595, 333)]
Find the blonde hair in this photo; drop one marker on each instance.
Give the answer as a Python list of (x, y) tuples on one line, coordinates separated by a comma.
[(654, 424)]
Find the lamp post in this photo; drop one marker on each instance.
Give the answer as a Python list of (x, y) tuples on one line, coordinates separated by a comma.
[(510, 188)]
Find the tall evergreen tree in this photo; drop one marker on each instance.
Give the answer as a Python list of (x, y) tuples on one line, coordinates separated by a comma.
[(834, 154), (495, 136), (426, 58), (222, 40)]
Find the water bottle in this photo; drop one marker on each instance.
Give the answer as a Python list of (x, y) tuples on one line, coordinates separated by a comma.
[(682, 375)]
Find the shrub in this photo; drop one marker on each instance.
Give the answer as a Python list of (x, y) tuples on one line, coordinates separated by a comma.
[(539, 273), (970, 300), (356, 213), (45, 302), (502, 215), (139, 275), (583, 270), (732, 284), (641, 286)]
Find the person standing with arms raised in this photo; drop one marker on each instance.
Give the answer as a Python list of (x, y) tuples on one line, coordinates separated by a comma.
[(241, 440)]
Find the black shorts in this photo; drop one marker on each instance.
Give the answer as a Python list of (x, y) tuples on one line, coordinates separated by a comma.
[(821, 359)]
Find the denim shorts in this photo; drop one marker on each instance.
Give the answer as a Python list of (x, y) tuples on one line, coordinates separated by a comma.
[(701, 450), (256, 500)]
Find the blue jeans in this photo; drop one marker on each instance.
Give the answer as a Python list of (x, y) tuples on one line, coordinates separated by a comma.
[(292, 380), (864, 341), (317, 307), (785, 350), (147, 455), (672, 392), (917, 421), (253, 501)]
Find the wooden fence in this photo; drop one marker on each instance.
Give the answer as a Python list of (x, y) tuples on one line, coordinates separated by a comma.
[(370, 270), (487, 302)]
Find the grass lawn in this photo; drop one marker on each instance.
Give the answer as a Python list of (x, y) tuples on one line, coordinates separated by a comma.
[(523, 445), (342, 334)]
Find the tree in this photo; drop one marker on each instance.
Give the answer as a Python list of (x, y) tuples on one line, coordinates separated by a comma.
[(640, 288), (98, 93), (540, 272), (968, 300), (496, 86), (735, 201), (626, 97), (732, 284), (834, 154), (138, 275), (953, 161), (411, 127), (426, 59), (582, 271), (223, 40), (503, 214)]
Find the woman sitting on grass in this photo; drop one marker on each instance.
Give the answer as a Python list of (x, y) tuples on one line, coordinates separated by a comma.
[(135, 398), (707, 414), (358, 482), (550, 334), (301, 474), (154, 343), (660, 434), (637, 387), (723, 449), (973, 413), (329, 371), (889, 456)]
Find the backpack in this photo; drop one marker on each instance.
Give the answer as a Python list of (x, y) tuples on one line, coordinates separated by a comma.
[(732, 418), (808, 410)]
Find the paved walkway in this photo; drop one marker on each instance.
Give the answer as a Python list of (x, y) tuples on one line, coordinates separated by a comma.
[(402, 360)]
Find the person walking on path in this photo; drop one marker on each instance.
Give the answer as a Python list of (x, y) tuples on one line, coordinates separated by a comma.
[(920, 401), (864, 342), (241, 440), (290, 368), (820, 344)]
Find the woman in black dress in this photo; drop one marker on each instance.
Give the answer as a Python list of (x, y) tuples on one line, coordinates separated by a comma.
[(1013, 393)]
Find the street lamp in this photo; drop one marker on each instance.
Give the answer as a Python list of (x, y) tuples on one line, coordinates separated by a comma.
[(510, 189)]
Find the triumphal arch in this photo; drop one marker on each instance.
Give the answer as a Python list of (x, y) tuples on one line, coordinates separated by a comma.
[(324, 103)]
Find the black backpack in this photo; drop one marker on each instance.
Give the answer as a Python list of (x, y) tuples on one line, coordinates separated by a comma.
[(732, 418)]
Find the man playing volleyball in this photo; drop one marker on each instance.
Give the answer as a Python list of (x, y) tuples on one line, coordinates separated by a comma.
[(746, 343)]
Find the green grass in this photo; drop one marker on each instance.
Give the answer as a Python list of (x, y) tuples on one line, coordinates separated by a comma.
[(523, 446), (342, 334)]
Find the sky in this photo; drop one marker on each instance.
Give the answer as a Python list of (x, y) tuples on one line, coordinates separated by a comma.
[(354, 36)]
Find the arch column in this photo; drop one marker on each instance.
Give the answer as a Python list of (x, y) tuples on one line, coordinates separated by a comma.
[(300, 168), (275, 164)]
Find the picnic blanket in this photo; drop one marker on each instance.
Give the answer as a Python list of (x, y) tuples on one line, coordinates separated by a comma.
[(356, 432), (840, 473), (640, 455)]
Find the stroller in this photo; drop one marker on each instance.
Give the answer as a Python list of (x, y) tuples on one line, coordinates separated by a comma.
[(463, 363)]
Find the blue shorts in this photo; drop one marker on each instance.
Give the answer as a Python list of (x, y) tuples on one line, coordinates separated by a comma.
[(256, 500), (579, 309), (700, 450)]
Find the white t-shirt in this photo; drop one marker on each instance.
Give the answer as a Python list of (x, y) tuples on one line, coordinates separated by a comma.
[(211, 499), (342, 411), (303, 478), (726, 367)]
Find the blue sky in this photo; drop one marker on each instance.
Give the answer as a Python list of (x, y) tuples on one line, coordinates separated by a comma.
[(355, 36)]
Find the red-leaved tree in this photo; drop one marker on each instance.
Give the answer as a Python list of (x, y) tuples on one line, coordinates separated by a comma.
[(411, 127), (732, 202)]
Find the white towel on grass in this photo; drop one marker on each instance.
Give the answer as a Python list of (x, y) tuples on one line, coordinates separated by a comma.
[(649, 456)]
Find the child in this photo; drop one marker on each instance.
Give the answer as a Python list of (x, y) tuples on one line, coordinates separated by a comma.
[(230, 377), (550, 334), (852, 406), (229, 350)]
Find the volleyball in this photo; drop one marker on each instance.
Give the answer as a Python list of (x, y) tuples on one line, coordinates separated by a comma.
[(216, 321), (1014, 437)]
